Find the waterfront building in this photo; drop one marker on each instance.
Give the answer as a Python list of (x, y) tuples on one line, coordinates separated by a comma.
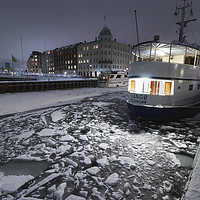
[(48, 62), (103, 54), (65, 59), (34, 63)]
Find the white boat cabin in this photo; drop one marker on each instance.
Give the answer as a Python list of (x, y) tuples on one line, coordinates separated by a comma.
[(159, 67)]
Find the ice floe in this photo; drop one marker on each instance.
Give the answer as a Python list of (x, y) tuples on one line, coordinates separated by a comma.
[(93, 170), (46, 132), (112, 180), (57, 115)]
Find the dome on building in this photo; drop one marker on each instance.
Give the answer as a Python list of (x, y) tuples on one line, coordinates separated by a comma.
[(105, 31)]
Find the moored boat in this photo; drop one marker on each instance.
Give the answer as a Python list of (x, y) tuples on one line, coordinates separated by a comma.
[(113, 79), (164, 80)]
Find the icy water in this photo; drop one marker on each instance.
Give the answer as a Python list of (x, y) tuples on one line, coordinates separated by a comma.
[(21, 167), (95, 150)]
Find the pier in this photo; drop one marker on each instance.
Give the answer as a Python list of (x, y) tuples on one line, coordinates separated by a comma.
[(192, 190), (26, 86)]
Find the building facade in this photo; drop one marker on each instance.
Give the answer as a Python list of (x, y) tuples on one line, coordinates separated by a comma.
[(65, 59), (48, 62), (34, 63), (103, 54)]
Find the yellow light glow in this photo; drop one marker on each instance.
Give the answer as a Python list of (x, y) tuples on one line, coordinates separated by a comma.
[(132, 86)]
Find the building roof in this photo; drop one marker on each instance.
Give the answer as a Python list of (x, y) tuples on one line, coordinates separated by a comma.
[(105, 31)]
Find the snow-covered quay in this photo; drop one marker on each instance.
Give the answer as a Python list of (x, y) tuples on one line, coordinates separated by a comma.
[(83, 144)]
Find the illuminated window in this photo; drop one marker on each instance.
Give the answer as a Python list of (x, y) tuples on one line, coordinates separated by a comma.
[(146, 87), (155, 85), (168, 86), (95, 46), (132, 86), (87, 48), (151, 86)]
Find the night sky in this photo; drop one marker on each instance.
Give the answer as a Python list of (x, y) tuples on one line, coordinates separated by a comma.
[(63, 22)]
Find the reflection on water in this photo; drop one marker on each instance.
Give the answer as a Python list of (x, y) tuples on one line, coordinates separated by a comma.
[(21, 167)]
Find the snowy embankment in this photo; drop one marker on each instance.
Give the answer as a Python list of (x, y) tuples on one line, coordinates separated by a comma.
[(20, 102)]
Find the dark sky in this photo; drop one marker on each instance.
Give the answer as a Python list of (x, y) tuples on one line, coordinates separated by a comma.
[(63, 22)]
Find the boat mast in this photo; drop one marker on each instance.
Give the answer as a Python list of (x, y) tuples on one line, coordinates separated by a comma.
[(136, 23), (183, 22)]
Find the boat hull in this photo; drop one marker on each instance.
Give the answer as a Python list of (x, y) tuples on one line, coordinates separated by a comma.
[(162, 113)]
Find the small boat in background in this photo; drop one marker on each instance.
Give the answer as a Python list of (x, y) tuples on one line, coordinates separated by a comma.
[(113, 79)]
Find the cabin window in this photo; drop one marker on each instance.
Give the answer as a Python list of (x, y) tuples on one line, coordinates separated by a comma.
[(190, 87), (139, 86), (146, 88), (111, 76), (151, 86), (168, 86), (118, 76), (179, 87), (189, 60), (155, 87), (198, 86), (132, 86)]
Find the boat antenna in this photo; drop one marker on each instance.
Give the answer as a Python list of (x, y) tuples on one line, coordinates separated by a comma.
[(138, 41), (183, 22)]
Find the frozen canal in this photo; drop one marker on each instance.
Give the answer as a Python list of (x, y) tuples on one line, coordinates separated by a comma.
[(94, 150)]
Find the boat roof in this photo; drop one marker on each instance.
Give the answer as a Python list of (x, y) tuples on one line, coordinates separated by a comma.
[(174, 43), (147, 49)]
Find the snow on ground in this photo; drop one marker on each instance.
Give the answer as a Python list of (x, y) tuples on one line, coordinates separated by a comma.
[(193, 192), (92, 149), (20, 102)]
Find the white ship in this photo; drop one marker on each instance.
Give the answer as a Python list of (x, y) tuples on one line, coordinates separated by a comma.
[(113, 79), (164, 80)]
